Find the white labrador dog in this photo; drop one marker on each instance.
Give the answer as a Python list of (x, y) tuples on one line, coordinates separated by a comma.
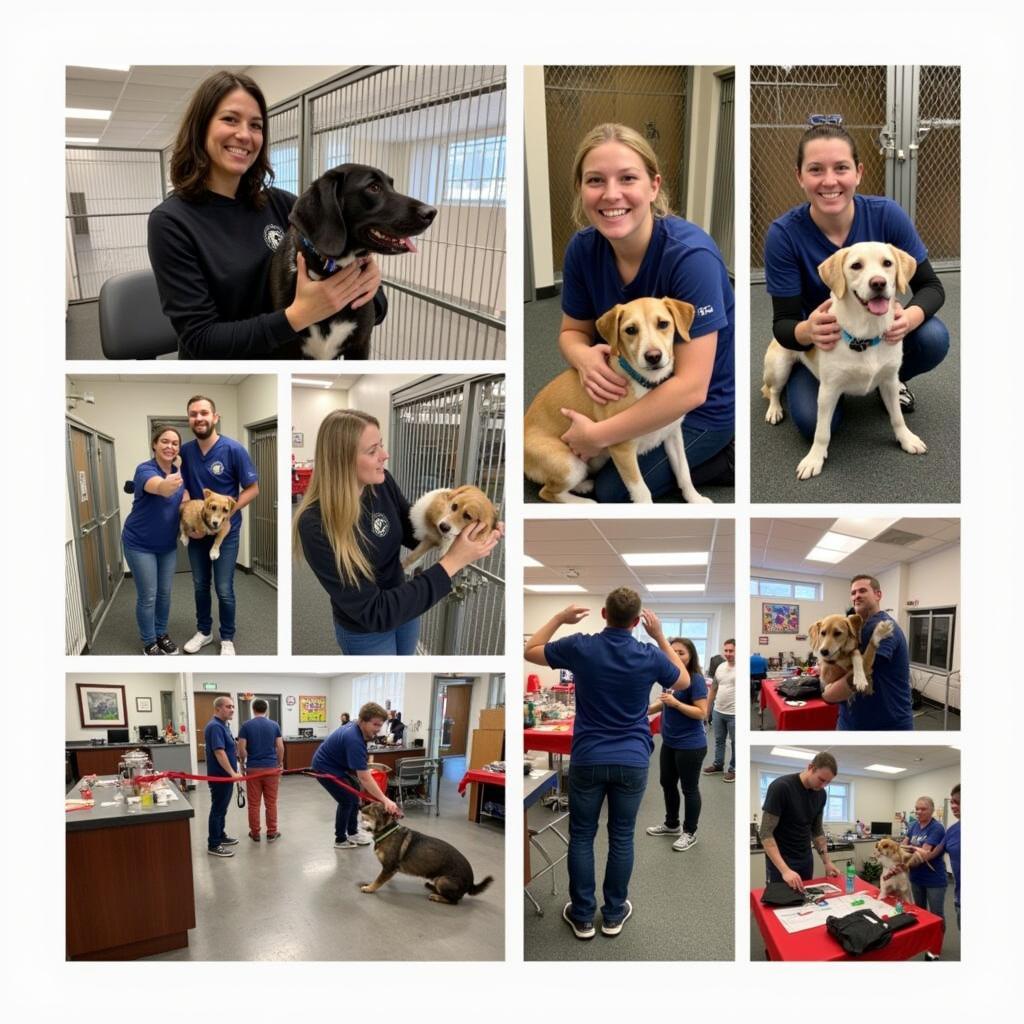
[(865, 279)]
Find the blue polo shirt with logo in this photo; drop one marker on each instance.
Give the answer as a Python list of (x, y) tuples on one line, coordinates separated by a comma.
[(152, 525), (225, 469), (343, 752), (889, 706)]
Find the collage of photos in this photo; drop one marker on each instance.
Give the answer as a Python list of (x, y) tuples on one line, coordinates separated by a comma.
[(338, 791)]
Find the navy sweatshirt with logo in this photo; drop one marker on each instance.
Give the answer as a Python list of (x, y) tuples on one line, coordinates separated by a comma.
[(389, 600)]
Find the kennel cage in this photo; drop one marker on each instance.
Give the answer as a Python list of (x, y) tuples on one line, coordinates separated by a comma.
[(447, 431)]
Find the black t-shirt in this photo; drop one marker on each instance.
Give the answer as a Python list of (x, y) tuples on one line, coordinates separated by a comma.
[(797, 809)]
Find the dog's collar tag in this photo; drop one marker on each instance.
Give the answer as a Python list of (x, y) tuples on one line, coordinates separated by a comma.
[(859, 344), (382, 837), (634, 374), (327, 262)]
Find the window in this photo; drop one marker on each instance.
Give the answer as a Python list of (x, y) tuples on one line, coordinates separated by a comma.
[(476, 172), (386, 688), (931, 638), (839, 802), (696, 628), (496, 691), (284, 158), (792, 589)]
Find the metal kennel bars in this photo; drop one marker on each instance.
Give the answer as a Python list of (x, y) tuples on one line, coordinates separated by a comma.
[(448, 431), (263, 510), (905, 121)]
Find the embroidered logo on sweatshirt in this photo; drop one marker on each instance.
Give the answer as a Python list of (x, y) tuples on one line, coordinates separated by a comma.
[(380, 524), (272, 235), (217, 468)]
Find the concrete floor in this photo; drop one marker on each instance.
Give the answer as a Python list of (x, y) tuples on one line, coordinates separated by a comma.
[(682, 902), (297, 898)]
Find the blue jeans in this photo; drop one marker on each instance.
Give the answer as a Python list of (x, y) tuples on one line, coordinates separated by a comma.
[(220, 801), (346, 817), (589, 787), (222, 575), (724, 724), (931, 897), (701, 444), (153, 576), (923, 350), (396, 641)]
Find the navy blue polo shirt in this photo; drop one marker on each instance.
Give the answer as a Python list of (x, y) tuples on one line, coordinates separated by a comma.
[(260, 734), (933, 874), (217, 736), (343, 752), (889, 707), (679, 731), (152, 524), (225, 469)]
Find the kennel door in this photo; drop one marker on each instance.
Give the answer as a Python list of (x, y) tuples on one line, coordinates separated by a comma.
[(263, 510)]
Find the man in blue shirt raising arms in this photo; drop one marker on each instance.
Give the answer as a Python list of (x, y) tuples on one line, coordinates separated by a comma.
[(611, 743)]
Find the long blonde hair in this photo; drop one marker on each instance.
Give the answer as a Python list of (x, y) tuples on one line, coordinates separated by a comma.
[(336, 487), (611, 132)]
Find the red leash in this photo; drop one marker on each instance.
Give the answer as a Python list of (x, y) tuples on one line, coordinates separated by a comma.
[(258, 775)]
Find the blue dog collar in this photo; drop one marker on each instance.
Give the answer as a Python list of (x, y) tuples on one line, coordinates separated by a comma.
[(327, 262), (634, 374), (859, 344)]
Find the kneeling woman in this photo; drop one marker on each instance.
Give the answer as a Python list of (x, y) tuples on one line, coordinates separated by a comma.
[(351, 527)]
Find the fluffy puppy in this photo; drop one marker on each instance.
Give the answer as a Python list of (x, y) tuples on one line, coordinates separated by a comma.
[(210, 516), (891, 855), (439, 516), (835, 642)]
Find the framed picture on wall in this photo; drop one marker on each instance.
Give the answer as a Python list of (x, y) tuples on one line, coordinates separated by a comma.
[(143, 703), (101, 707), (780, 618), (763, 641)]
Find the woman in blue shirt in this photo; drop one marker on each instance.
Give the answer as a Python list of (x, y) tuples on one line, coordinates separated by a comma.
[(828, 170), (684, 746), (927, 881), (635, 247), (150, 538)]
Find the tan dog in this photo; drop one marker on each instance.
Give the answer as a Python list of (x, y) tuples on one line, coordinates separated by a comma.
[(210, 516), (835, 641), (865, 279), (891, 855), (438, 517), (640, 334)]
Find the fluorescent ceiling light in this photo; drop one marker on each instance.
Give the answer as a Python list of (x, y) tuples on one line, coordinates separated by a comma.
[(555, 588), (821, 555), (793, 753), (80, 142), (834, 547), (887, 768), (866, 528), (660, 558), (87, 114), (531, 563), (312, 383), (669, 588)]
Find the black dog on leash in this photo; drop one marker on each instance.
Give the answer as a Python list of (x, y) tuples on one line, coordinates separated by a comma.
[(347, 213)]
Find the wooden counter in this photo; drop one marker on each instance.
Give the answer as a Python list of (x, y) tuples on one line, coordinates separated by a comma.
[(298, 753), (390, 756), (103, 759)]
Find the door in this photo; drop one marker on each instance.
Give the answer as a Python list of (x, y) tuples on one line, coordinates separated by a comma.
[(263, 511), (203, 702), (244, 711), (455, 720), (181, 424)]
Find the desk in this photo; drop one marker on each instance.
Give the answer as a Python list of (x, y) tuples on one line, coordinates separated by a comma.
[(390, 756), (477, 780), (815, 715), (299, 751), (817, 944)]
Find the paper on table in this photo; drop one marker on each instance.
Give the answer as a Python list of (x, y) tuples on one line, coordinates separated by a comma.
[(799, 919)]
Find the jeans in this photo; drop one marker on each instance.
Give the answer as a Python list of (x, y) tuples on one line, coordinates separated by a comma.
[(681, 769), (153, 575), (265, 786), (923, 350), (804, 868), (346, 817), (220, 801), (700, 444), (931, 897), (589, 787), (724, 724), (222, 575), (396, 641)]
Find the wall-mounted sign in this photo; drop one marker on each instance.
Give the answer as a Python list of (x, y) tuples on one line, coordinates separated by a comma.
[(298, 439), (312, 709), (290, 700), (209, 686), (762, 640)]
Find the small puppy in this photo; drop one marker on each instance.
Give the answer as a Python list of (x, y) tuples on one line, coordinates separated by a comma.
[(448, 873), (440, 516), (210, 516), (890, 855), (835, 641)]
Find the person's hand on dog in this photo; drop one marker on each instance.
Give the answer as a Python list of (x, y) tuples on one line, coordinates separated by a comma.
[(368, 281), (579, 437), (599, 380), (572, 614), (903, 323), (471, 545), (316, 300), (392, 808), (822, 328)]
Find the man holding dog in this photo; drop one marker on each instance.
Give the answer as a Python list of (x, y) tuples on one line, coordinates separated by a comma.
[(223, 466), (611, 743), (889, 706)]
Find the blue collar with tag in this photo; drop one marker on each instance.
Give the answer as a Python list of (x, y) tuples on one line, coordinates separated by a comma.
[(634, 374), (324, 265), (859, 344)]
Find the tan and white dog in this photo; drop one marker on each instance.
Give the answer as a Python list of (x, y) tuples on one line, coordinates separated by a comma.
[(640, 334), (210, 516), (891, 855), (835, 642), (439, 516), (865, 279)]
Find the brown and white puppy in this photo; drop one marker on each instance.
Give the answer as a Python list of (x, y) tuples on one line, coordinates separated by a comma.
[(439, 516), (891, 855), (835, 642), (641, 337), (210, 516), (449, 875), (864, 280)]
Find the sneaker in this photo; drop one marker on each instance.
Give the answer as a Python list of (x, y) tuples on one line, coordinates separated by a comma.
[(581, 929), (198, 642), (255, 836), (227, 647), (664, 830), (362, 839), (685, 841), (906, 399), (228, 841), (271, 836), (345, 844), (930, 956), (712, 769), (220, 851), (614, 927), (729, 777), (152, 649), (167, 645)]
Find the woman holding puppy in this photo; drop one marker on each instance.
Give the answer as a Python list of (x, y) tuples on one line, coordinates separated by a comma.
[(828, 171), (635, 247), (150, 538), (211, 241), (351, 526)]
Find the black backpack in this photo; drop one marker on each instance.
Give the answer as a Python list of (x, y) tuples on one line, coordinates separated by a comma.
[(863, 930), (799, 689)]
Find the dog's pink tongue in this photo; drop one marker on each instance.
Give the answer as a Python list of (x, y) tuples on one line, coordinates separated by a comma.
[(878, 306), (409, 244)]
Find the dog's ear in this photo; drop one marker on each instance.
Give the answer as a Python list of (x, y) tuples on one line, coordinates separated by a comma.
[(906, 267), (814, 632), (231, 504), (682, 316), (831, 272), (608, 326), (318, 215), (856, 623), (206, 493)]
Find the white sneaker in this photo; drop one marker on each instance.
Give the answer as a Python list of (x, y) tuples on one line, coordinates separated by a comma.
[(664, 830), (685, 841), (344, 844), (362, 838), (198, 642), (227, 647)]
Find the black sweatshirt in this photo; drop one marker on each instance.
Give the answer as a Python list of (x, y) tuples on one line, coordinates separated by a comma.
[(211, 259), (389, 600)]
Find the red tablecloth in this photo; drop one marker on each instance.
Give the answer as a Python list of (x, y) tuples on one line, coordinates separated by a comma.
[(476, 775), (556, 737), (817, 944), (816, 715)]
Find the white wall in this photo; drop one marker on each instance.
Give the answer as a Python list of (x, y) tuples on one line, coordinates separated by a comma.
[(135, 685), (310, 406)]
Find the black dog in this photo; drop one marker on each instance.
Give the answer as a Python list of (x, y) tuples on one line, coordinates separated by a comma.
[(344, 215)]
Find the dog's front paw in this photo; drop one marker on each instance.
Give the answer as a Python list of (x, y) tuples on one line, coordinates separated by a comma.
[(882, 630), (775, 413), (811, 464), (214, 554), (911, 443), (366, 887), (860, 682), (585, 486), (699, 499)]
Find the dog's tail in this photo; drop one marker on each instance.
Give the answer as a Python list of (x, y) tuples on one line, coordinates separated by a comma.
[(475, 890)]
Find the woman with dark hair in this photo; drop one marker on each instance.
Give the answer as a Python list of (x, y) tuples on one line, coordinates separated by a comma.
[(150, 538), (211, 241)]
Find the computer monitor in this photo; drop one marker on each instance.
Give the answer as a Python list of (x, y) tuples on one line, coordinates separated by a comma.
[(118, 736), (148, 733), (306, 732), (881, 828)]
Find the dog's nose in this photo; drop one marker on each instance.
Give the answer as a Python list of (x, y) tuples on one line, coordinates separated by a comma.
[(878, 283), (427, 214), (652, 357), (444, 527)]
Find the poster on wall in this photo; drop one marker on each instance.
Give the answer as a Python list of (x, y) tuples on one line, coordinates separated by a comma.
[(780, 618), (312, 709)]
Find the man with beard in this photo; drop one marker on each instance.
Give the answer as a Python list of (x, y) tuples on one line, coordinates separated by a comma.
[(222, 465)]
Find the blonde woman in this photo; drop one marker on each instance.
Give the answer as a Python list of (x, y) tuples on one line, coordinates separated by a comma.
[(351, 526), (634, 247)]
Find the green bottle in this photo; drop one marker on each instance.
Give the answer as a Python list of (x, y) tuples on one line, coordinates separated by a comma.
[(851, 873)]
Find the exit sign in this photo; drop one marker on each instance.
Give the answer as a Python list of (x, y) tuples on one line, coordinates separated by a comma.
[(209, 686)]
